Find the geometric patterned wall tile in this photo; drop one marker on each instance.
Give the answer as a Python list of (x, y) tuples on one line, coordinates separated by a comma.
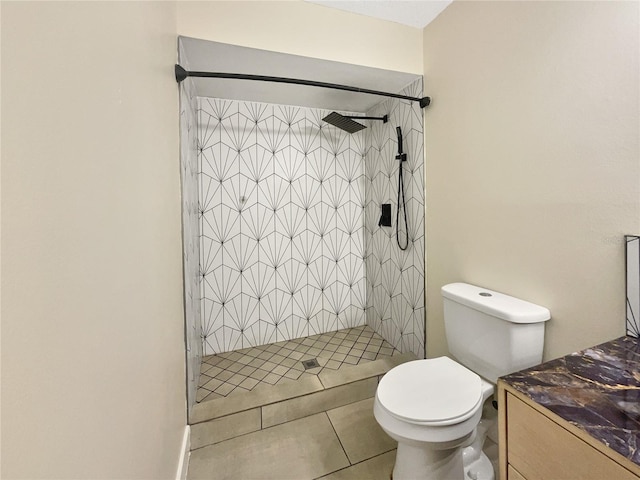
[(281, 216), (395, 278)]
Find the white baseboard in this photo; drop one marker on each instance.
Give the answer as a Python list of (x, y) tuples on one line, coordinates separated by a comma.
[(183, 463)]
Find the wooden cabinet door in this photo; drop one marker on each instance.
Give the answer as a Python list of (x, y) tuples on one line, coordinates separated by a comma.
[(540, 449)]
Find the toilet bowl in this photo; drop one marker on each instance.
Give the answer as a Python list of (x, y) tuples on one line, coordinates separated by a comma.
[(431, 408)]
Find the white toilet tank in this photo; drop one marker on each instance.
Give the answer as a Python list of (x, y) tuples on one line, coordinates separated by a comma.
[(491, 333)]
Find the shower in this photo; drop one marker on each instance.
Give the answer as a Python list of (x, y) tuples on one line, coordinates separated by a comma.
[(301, 255)]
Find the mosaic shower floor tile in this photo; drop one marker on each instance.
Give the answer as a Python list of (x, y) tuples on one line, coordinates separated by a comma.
[(241, 371)]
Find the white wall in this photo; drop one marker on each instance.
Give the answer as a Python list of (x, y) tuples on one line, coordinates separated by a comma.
[(532, 147), (302, 28), (93, 381)]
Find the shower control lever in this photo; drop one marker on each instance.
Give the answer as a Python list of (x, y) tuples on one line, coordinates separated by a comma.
[(385, 218)]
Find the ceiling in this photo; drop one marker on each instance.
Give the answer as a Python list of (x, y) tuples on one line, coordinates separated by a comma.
[(416, 13), (207, 56)]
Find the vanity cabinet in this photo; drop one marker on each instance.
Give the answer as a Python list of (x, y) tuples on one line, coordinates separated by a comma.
[(537, 444)]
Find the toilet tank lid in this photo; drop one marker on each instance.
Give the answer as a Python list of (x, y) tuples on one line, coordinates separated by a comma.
[(496, 304)]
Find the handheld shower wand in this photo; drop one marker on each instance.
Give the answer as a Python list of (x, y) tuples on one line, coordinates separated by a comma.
[(402, 157)]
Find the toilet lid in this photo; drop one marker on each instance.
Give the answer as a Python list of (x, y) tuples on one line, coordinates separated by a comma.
[(434, 391)]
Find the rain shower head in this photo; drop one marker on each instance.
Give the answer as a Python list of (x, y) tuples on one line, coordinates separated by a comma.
[(347, 123), (343, 123)]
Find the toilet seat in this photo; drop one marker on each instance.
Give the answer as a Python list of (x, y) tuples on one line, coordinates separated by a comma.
[(432, 392)]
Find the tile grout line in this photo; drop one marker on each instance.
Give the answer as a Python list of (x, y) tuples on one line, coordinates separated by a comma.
[(354, 464), (321, 383), (338, 437)]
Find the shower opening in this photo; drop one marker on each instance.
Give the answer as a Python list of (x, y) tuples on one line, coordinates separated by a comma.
[(284, 260)]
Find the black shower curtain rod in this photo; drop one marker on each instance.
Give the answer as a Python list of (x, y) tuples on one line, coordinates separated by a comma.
[(181, 74)]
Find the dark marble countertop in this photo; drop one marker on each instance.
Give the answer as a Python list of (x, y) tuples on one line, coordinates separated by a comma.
[(596, 389)]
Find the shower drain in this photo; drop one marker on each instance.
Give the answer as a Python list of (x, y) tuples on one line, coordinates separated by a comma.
[(313, 363)]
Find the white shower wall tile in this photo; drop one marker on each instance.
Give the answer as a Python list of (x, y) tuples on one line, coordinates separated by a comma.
[(279, 198), (395, 278)]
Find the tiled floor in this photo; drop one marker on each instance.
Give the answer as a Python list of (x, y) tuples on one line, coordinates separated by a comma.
[(243, 370), (343, 443)]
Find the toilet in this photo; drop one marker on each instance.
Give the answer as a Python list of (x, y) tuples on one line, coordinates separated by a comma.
[(433, 408)]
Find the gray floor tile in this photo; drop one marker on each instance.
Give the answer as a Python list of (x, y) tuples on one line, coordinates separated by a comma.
[(224, 389), (202, 394), (272, 378), (204, 378), (315, 402), (212, 384), (246, 371), (262, 394), (256, 362), (207, 433), (333, 364), (280, 370), (369, 356), (277, 358), (245, 359), (259, 374), (212, 396), (237, 379), (293, 374), (338, 357), (224, 363), (288, 362), (249, 383), (359, 433), (356, 352), (351, 360), (265, 355), (235, 367), (234, 356), (305, 448), (376, 468)]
